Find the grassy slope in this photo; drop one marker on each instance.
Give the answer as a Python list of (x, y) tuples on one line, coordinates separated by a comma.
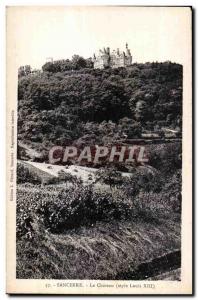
[(99, 252), (80, 172)]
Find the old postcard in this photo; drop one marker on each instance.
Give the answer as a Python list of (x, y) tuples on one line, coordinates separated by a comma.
[(99, 150)]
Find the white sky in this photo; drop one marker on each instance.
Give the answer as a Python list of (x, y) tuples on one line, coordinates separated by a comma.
[(153, 34)]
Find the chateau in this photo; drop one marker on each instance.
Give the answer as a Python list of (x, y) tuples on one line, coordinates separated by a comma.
[(115, 59)]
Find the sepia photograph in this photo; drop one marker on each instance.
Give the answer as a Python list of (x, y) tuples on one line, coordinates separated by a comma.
[(99, 150)]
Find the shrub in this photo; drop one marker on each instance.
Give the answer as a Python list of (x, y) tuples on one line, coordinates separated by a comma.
[(109, 176), (172, 188), (67, 177), (167, 159), (25, 175), (79, 205), (152, 206), (142, 180), (29, 199), (145, 195)]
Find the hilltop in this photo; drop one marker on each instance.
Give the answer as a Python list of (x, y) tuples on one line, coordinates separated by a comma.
[(59, 105)]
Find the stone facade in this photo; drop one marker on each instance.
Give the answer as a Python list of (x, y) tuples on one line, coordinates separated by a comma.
[(114, 59)]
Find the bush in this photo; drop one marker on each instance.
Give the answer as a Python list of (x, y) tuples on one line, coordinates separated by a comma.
[(143, 180), (109, 176), (145, 195), (29, 199), (167, 158), (25, 175), (172, 188), (152, 206), (79, 205)]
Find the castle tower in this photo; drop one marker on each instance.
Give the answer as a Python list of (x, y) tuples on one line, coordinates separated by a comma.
[(128, 58), (108, 50), (127, 50)]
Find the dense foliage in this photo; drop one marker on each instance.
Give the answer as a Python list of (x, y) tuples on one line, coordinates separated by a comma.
[(81, 205), (25, 175), (60, 104), (61, 208), (70, 228)]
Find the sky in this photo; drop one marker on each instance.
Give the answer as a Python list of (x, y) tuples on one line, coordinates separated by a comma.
[(153, 34)]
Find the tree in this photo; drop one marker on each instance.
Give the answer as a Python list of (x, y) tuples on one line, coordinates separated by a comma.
[(109, 176), (64, 98), (78, 62), (66, 177), (50, 67)]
